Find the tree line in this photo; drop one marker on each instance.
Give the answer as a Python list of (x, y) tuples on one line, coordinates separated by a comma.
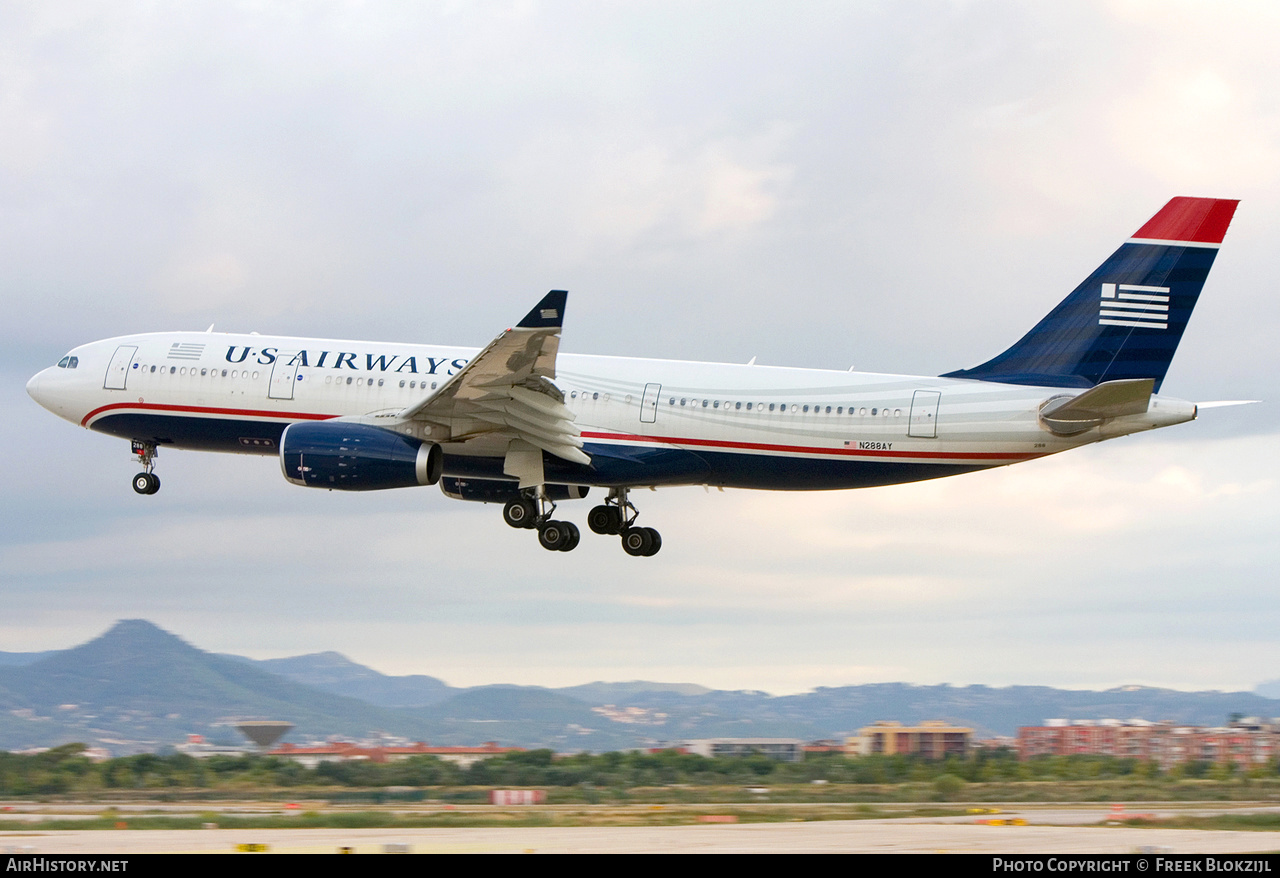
[(66, 769)]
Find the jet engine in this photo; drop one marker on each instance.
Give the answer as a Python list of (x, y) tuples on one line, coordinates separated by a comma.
[(346, 456), (498, 491)]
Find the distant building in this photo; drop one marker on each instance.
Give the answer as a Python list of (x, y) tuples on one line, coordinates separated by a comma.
[(198, 747), (932, 739), (345, 752), (1246, 743), (782, 749)]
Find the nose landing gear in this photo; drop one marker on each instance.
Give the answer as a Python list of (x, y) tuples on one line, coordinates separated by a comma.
[(146, 482)]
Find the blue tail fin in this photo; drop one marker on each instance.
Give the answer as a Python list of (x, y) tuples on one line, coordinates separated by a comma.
[(1126, 319)]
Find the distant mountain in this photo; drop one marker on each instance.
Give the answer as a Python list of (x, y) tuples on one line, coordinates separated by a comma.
[(1269, 689), (607, 693), (18, 659), (334, 672), (139, 688)]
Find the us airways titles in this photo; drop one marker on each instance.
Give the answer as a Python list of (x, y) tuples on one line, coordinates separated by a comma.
[(379, 363)]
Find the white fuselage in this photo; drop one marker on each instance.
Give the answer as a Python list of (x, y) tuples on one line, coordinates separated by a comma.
[(644, 422)]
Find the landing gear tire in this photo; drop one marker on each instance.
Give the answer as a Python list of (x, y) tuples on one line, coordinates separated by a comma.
[(146, 483), (656, 541), (517, 513), (555, 536), (605, 519), (572, 537), (637, 541)]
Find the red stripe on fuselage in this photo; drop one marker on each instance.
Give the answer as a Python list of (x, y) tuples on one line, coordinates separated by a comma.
[(805, 449), (205, 410), (620, 437)]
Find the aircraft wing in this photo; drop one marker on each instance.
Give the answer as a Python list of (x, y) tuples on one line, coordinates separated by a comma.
[(507, 389)]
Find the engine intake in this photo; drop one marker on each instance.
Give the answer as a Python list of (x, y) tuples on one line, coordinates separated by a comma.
[(356, 457)]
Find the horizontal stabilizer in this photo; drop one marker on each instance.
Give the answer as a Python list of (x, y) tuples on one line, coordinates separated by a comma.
[(1110, 399)]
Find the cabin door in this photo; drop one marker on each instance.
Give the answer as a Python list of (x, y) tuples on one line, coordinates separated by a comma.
[(649, 403), (924, 414), (118, 368), (283, 376)]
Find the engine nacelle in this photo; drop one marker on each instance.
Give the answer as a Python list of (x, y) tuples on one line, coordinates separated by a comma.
[(344, 456), (498, 491)]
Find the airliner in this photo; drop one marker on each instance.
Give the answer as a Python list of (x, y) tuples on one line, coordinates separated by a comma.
[(519, 424)]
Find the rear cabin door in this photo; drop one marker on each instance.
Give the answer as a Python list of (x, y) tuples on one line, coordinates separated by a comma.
[(924, 414), (118, 368), (649, 403)]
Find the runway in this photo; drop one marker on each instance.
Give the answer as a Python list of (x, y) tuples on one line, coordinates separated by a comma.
[(836, 836)]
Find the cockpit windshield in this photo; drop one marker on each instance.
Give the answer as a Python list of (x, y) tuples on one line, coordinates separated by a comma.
[(68, 362)]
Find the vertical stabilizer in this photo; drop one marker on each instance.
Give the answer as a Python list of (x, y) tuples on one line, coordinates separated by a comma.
[(1126, 319)]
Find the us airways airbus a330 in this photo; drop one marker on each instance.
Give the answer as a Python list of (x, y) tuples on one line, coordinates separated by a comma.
[(519, 423)]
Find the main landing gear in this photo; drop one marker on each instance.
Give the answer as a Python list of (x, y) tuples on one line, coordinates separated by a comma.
[(146, 482), (618, 516), (615, 516), (536, 512)]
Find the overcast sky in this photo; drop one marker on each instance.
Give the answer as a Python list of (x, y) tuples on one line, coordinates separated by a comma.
[(898, 187)]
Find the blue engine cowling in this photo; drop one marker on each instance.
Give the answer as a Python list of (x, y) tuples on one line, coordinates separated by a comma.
[(356, 457), (498, 491)]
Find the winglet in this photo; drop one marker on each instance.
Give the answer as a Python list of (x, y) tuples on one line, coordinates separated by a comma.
[(547, 314)]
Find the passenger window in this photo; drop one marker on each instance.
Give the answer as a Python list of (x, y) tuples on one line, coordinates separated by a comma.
[(771, 405), (806, 408), (348, 380)]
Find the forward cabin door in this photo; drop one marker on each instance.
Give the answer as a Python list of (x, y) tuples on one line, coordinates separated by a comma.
[(118, 368), (649, 403), (924, 414)]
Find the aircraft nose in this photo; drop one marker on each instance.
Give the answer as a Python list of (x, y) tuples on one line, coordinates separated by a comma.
[(33, 387)]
